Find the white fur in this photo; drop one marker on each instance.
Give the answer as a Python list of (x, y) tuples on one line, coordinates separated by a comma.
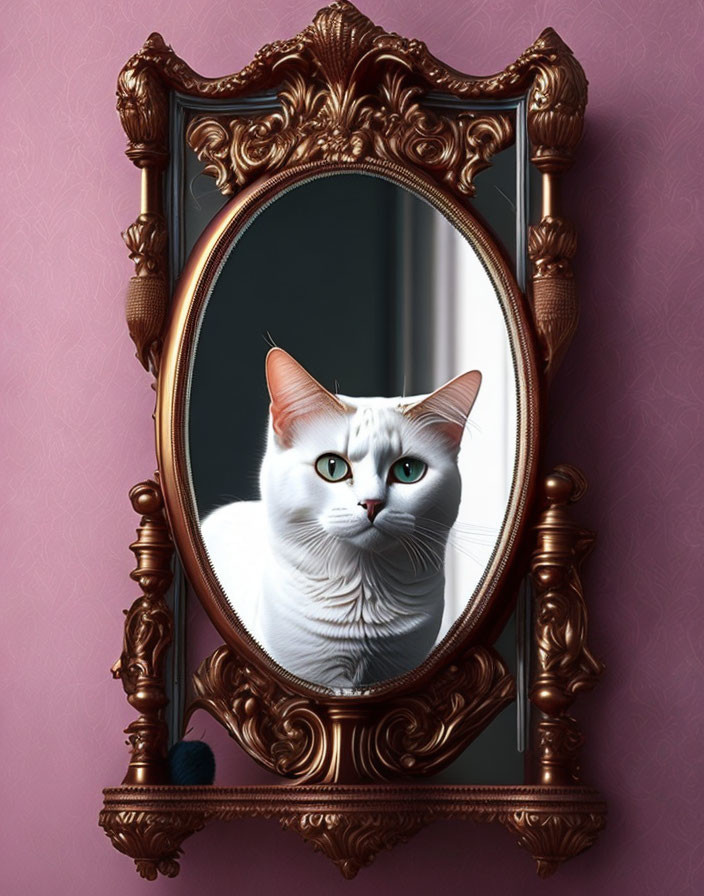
[(332, 597)]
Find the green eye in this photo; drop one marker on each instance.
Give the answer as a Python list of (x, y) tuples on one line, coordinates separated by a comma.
[(408, 469), (332, 467)]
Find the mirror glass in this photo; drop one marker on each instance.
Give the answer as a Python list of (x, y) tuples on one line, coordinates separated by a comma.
[(352, 526)]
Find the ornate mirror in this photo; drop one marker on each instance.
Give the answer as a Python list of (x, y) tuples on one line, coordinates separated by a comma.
[(352, 340)]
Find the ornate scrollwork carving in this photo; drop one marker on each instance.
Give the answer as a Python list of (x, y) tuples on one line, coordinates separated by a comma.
[(564, 664), (421, 733), (332, 118), (352, 840), (281, 730), (304, 739), (339, 39), (148, 632), (152, 839), (553, 837)]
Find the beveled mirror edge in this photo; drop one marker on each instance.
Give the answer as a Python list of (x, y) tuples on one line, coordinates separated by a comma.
[(149, 830)]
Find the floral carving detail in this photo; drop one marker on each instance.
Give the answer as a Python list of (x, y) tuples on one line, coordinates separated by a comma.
[(350, 825), (352, 840), (551, 246), (328, 114), (147, 293), (553, 837), (556, 104), (300, 738), (146, 241), (152, 839)]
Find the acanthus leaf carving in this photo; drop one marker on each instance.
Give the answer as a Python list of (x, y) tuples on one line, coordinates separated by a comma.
[(147, 292), (350, 825), (280, 729), (552, 244), (553, 837), (152, 839), (353, 840)]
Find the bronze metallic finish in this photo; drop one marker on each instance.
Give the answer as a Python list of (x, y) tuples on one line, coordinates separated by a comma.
[(351, 100), (351, 824), (564, 663), (316, 741), (148, 632)]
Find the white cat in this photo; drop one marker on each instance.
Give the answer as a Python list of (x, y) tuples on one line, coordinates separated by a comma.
[(338, 570)]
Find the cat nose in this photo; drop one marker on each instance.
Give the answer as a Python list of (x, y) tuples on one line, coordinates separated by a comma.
[(372, 506)]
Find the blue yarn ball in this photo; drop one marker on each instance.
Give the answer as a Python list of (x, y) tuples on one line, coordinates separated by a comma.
[(191, 763)]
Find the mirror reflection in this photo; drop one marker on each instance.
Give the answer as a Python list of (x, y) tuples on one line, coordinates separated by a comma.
[(352, 428)]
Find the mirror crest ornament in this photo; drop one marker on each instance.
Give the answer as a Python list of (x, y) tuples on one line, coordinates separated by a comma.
[(356, 98)]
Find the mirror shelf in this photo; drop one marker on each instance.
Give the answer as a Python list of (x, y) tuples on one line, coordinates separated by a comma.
[(345, 99)]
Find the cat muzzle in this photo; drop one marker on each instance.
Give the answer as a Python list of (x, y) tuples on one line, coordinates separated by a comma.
[(373, 507)]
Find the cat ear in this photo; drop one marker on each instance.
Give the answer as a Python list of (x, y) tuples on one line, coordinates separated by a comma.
[(448, 407), (294, 394)]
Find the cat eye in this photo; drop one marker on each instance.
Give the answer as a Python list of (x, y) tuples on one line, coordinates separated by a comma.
[(333, 467), (408, 470)]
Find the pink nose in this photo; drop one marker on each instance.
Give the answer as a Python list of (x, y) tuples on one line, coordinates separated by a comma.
[(372, 507)]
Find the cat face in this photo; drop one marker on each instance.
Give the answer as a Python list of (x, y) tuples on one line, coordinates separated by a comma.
[(369, 474)]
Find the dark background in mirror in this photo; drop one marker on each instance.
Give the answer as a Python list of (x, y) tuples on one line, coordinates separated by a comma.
[(319, 272)]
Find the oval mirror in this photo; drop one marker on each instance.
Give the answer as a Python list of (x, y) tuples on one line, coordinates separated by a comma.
[(346, 425)]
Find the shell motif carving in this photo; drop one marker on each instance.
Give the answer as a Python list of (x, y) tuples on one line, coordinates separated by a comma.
[(329, 113), (312, 741)]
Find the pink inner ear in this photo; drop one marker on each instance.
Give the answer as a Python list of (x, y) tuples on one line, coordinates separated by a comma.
[(295, 395), (449, 406)]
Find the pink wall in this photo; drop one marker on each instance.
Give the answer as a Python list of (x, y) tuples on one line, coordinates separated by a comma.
[(76, 408)]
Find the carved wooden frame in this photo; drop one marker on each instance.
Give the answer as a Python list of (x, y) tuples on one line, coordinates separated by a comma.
[(351, 97)]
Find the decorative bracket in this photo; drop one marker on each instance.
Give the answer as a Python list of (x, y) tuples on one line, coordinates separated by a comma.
[(329, 742)]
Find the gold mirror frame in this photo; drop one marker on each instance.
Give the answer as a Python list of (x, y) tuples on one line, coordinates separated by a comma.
[(351, 99)]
